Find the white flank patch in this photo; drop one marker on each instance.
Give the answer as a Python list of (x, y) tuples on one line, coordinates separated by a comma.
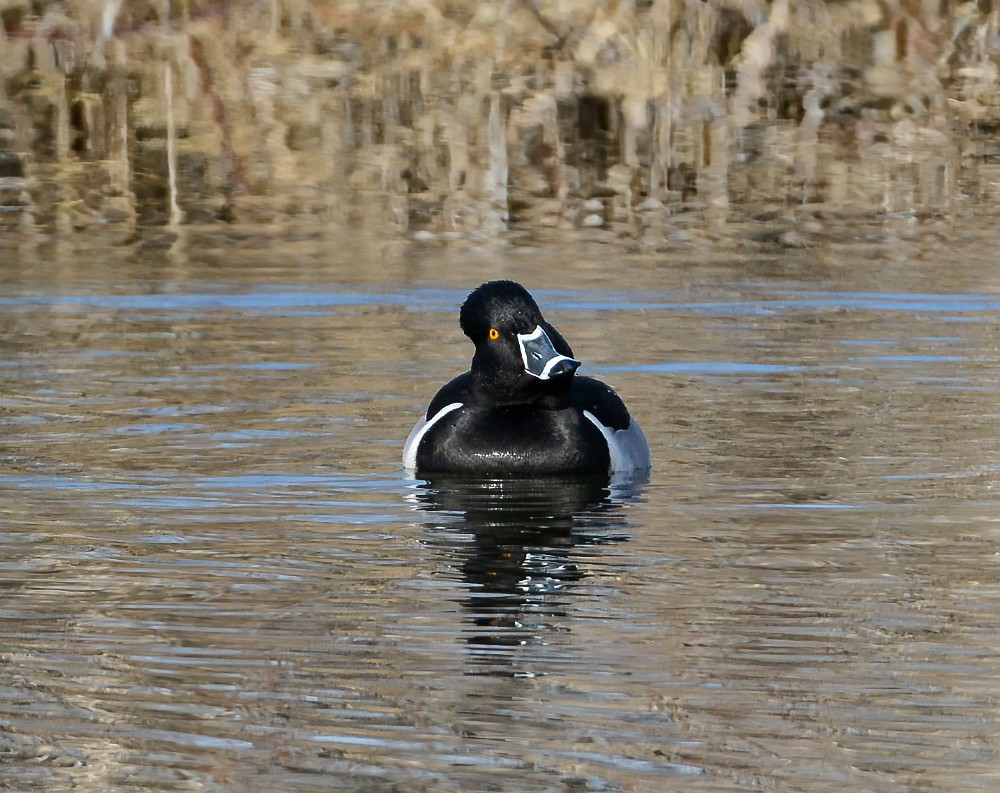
[(628, 449), (417, 433)]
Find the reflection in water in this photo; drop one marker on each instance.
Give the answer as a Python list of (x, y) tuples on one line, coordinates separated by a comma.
[(520, 544), (212, 580)]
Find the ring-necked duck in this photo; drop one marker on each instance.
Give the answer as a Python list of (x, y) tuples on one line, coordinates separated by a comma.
[(521, 409)]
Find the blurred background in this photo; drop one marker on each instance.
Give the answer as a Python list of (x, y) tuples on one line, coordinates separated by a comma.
[(438, 116), (234, 239)]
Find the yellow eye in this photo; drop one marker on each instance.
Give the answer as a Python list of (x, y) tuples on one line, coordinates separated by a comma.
[(494, 334)]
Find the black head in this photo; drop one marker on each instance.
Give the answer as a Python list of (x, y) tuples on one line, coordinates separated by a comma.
[(519, 356)]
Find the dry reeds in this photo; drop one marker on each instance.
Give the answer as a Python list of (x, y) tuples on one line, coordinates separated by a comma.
[(461, 115)]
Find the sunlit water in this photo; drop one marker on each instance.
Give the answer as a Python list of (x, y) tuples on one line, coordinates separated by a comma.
[(215, 575)]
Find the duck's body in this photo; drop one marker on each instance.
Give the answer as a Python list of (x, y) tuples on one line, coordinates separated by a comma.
[(521, 409)]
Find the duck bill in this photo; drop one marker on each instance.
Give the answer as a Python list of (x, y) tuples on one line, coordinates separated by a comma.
[(541, 359)]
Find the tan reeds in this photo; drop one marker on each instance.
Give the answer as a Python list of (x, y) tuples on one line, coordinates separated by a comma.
[(449, 115)]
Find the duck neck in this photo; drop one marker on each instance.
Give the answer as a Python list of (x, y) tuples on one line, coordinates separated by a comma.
[(548, 395)]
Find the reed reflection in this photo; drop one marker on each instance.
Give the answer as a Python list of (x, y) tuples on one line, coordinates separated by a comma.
[(522, 547)]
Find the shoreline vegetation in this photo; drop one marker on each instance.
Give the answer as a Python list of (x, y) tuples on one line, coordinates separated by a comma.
[(431, 116)]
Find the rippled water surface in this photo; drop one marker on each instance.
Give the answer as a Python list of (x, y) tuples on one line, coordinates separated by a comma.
[(215, 575)]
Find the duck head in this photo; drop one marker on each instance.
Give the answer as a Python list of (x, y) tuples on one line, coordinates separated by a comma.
[(519, 356)]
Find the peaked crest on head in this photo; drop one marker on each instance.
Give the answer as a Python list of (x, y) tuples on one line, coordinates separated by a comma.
[(521, 408), (503, 303)]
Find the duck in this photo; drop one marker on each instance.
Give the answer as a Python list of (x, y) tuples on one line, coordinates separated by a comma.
[(522, 409)]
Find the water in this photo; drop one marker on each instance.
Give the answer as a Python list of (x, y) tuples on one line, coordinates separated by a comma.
[(215, 575)]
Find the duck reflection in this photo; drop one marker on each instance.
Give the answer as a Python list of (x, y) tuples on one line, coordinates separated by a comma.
[(522, 546)]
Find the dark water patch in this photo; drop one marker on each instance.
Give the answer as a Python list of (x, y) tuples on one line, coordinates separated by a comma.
[(703, 367)]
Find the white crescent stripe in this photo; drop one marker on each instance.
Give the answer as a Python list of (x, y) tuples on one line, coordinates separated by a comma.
[(548, 367), (417, 433), (539, 333), (627, 448)]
